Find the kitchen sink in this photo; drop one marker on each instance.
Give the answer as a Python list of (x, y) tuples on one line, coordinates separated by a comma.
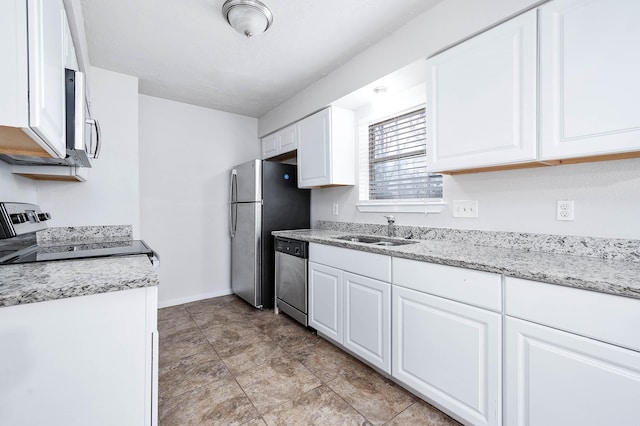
[(376, 241)]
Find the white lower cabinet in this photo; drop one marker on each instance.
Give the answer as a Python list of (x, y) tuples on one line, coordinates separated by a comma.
[(325, 300), (348, 308), (87, 360), (559, 378), (367, 319), (450, 353), (572, 357)]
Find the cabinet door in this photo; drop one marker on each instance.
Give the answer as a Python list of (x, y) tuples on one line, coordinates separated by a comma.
[(314, 150), (589, 86), (270, 145), (288, 139), (450, 353), (558, 378), (46, 33), (481, 99), (367, 319), (79, 361), (325, 300)]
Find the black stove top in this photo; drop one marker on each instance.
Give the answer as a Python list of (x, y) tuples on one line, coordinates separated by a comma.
[(19, 223), (35, 253)]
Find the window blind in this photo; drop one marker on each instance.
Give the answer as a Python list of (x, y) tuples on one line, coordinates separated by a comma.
[(398, 159)]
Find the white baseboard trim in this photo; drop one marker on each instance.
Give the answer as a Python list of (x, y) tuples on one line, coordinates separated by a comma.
[(187, 299)]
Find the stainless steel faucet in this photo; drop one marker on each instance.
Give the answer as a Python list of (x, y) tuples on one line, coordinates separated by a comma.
[(391, 229)]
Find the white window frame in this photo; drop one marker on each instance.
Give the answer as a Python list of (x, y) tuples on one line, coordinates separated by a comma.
[(365, 205)]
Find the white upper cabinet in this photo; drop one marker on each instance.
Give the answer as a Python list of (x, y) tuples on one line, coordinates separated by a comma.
[(589, 84), (326, 149), (281, 142), (34, 41), (481, 99)]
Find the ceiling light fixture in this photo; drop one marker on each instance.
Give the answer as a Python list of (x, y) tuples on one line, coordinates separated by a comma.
[(248, 17)]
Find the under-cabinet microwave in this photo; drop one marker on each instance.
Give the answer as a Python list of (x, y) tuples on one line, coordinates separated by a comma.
[(82, 131)]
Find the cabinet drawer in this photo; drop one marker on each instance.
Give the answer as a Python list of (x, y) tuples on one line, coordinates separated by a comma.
[(371, 265), (477, 288), (604, 317)]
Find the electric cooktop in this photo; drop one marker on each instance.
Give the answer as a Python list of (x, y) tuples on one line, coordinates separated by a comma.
[(19, 223)]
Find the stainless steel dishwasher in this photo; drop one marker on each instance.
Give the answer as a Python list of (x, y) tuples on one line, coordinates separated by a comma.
[(291, 257)]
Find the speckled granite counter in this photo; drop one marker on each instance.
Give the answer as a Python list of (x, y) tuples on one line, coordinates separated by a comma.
[(39, 282), (613, 276), (42, 281)]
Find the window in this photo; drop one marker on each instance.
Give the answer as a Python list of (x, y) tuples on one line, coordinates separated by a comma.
[(397, 160)]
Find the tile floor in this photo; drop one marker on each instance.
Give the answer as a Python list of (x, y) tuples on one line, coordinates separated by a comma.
[(223, 362)]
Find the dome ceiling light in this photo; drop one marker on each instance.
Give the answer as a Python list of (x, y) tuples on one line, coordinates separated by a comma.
[(248, 17)]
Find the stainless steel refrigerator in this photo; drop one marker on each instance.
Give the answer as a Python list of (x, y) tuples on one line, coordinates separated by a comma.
[(264, 197)]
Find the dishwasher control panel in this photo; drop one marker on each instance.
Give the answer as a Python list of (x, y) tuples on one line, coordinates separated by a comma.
[(291, 247)]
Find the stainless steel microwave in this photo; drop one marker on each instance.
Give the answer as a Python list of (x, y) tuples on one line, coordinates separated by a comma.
[(82, 131)]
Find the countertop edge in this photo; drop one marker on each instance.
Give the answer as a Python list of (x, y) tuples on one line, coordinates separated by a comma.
[(564, 270), (44, 281)]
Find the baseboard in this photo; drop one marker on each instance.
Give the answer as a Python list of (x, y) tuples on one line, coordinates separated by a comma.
[(194, 298)]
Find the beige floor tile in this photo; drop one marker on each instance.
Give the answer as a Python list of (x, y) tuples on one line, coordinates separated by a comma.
[(373, 396), (216, 317), (244, 355), (255, 422), (231, 332), (172, 313), (189, 376), (422, 414), (320, 406), (218, 403), (179, 325), (205, 355), (179, 345), (288, 333), (324, 359), (277, 381)]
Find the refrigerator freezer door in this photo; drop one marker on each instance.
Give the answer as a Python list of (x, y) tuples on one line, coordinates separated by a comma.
[(245, 253), (248, 186)]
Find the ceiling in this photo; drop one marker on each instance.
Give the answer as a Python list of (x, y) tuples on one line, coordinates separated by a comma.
[(185, 50)]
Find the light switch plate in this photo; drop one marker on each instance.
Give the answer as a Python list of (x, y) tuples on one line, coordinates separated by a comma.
[(465, 208)]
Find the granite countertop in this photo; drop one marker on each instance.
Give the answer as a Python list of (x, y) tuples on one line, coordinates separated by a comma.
[(42, 281), (613, 276)]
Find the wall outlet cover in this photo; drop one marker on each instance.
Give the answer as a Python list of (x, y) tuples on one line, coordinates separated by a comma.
[(564, 210)]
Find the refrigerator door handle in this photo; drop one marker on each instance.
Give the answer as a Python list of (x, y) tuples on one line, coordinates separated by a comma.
[(233, 208)]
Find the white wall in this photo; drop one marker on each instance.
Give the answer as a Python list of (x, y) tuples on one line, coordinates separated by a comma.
[(186, 153), (606, 195), (16, 188), (110, 195)]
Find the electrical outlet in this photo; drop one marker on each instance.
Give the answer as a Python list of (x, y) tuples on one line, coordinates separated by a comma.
[(465, 208), (564, 210), (335, 209)]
